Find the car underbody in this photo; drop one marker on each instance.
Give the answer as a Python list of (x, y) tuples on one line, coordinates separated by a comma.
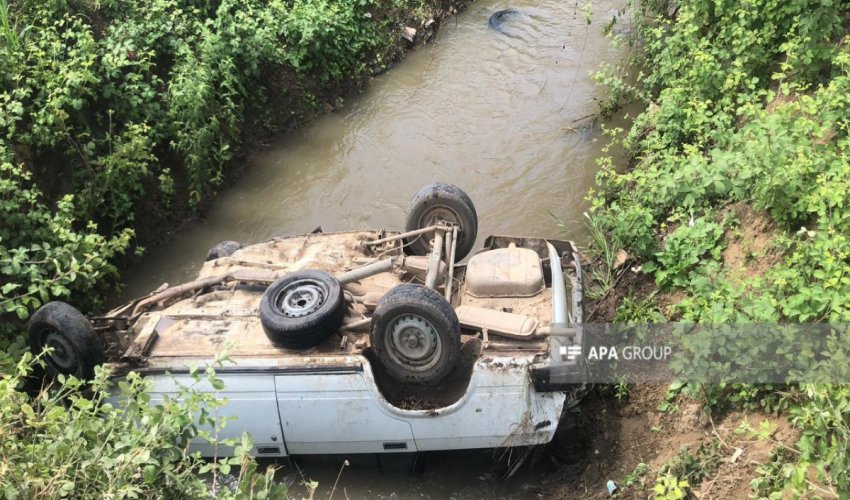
[(419, 353)]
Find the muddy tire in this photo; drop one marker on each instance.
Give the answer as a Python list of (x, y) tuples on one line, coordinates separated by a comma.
[(223, 249), (415, 334), (77, 349), (302, 309), (439, 201), (499, 17)]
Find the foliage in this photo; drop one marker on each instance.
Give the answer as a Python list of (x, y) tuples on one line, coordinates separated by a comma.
[(686, 470), (636, 476), (42, 255), (774, 474), (328, 35), (116, 112), (746, 105), (622, 389), (634, 311), (112, 96), (73, 440), (822, 414), (603, 249), (690, 248), (669, 487), (153, 90)]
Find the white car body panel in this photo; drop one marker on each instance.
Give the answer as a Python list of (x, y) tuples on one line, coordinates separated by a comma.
[(342, 411)]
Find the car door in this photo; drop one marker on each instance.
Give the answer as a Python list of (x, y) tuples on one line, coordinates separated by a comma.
[(251, 406), (335, 412)]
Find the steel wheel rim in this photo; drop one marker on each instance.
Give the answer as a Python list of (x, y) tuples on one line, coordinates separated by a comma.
[(301, 298), (63, 357), (413, 342), (437, 214)]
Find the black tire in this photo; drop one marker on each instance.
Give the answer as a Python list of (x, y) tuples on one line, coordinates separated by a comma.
[(440, 201), (223, 249), (302, 309), (499, 17), (423, 318), (77, 349)]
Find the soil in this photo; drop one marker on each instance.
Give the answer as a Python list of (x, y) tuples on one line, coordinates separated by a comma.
[(606, 438), (628, 282), (749, 248)]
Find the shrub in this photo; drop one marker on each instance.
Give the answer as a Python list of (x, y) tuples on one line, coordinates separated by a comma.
[(42, 254), (70, 440)]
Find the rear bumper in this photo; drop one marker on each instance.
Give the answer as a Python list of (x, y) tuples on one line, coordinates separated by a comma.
[(565, 370), (557, 378)]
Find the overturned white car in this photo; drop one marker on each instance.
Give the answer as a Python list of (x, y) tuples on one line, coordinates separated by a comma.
[(359, 341)]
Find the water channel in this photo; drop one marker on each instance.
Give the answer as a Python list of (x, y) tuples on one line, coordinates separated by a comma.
[(507, 116)]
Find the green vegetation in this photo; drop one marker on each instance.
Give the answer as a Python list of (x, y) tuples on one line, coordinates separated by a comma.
[(669, 487), (676, 477), (68, 440), (44, 252), (635, 477), (118, 118), (746, 112), (639, 311)]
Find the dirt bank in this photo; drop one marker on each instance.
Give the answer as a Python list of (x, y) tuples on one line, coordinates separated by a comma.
[(636, 435), (629, 441)]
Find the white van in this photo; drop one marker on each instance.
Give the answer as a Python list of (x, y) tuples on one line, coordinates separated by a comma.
[(359, 341)]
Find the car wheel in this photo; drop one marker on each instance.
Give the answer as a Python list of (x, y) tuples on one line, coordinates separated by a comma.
[(223, 249), (442, 202), (302, 309), (415, 334), (76, 348)]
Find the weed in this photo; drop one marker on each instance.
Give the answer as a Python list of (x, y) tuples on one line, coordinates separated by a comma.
[(669, 487), (622, 389), (636, 311), (635, 476), (686, 470), (604, 249)]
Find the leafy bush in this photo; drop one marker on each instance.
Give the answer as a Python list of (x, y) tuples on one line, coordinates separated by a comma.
[(114, 112), (328, 35), (69, 440), (42, 255), (826, 435), (166, 88), (689, 248)]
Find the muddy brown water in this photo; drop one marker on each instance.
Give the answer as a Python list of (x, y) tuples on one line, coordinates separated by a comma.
[(507, 116)]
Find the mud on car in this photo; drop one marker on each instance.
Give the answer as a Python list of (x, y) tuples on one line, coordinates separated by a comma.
[(360, 341)]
